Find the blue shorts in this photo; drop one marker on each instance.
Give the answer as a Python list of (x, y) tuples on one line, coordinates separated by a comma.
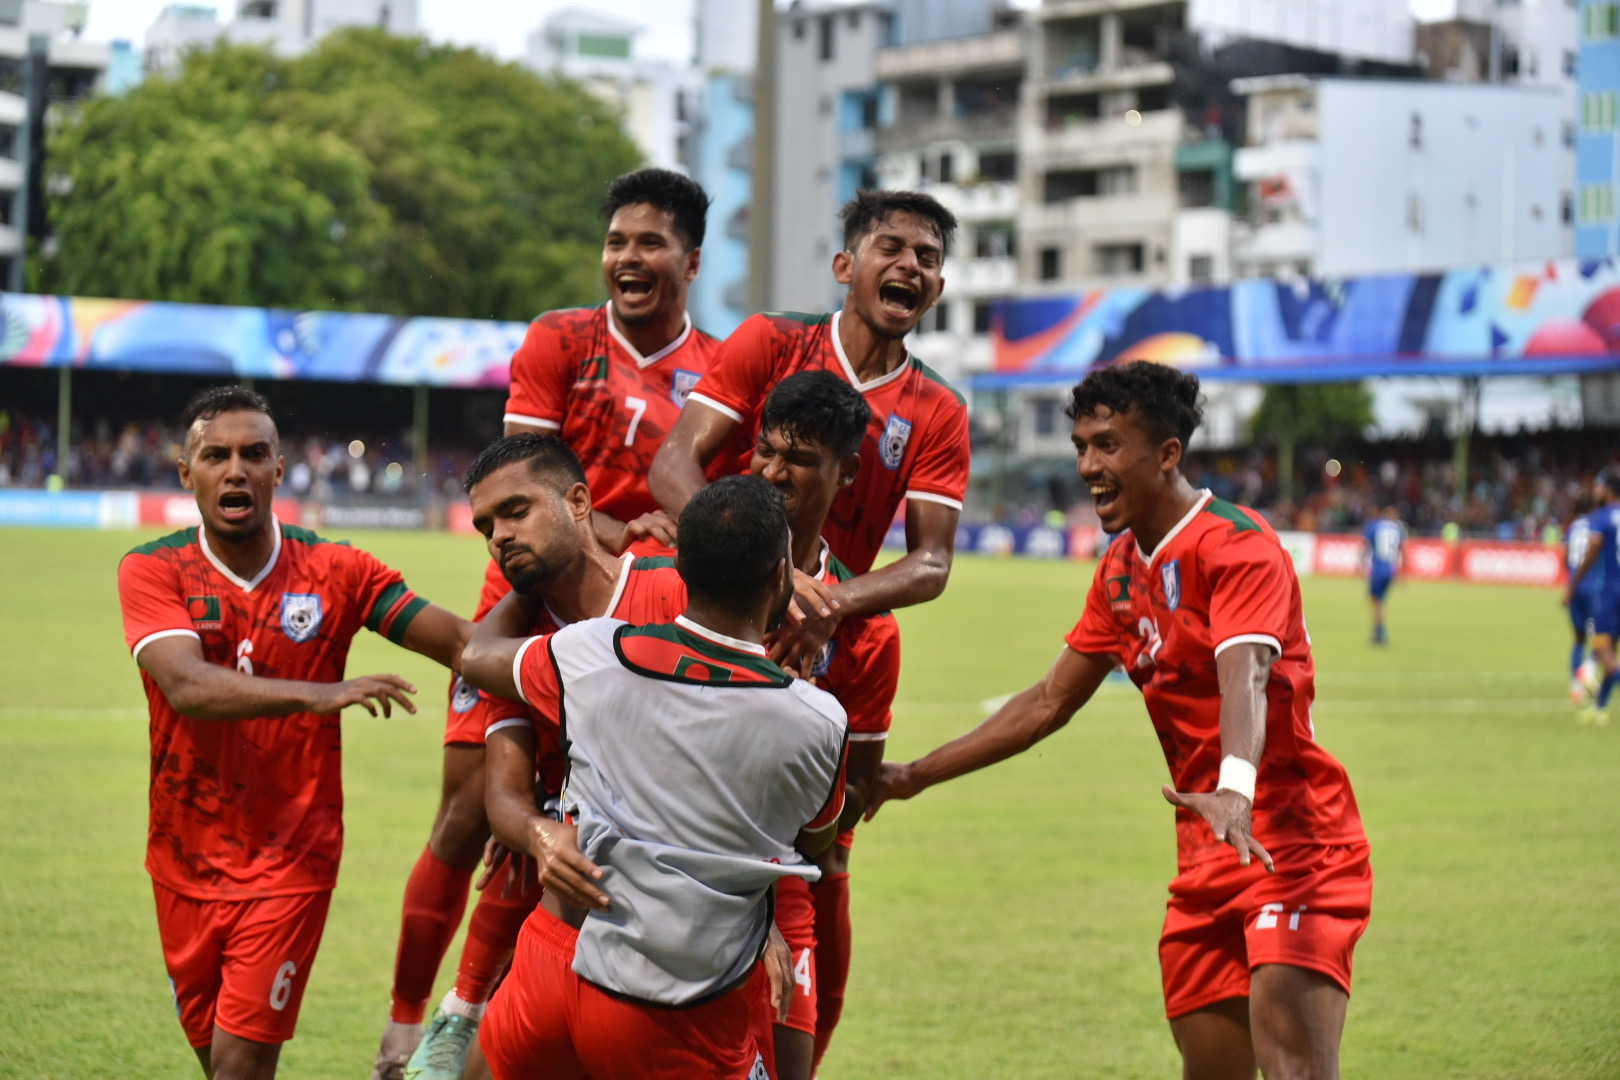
[(1378, 584), (1583, 610), (1606, 614)]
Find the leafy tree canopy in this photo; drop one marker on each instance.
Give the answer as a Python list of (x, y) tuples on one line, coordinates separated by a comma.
[(1291, 411), (373, 173)]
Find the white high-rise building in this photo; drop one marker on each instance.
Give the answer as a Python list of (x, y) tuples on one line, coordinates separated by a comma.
[(288, 26), (657, 97)]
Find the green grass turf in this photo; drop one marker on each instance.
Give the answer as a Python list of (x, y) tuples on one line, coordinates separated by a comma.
[(1005, 923)]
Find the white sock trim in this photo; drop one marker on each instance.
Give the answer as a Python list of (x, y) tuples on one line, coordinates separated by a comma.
[(454, 1006)]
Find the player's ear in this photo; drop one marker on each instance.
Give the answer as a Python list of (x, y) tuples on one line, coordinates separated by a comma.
[(182, 465), (578, 499), (1170, 454), (847, 470), (281, 470), (843, 268), (694, 260)]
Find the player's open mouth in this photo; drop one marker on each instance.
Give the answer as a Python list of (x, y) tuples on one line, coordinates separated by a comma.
[(1104, 495), (899, 298), (633, 286), (235, 505)]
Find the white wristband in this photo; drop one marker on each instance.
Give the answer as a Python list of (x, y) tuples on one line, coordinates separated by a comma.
[(1237, 775)]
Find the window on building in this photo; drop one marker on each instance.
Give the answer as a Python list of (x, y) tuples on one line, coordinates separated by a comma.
[(994, 242), (1598, 111), (1415, 132), (1601, 21), (1510, 60), (798, 30), (854, 20), (1069, 184), (1569, 135), (1597, 204), (947, 167), (1201, 269), (1112, 260), (1051, 264), (1566, 208), (605, 45), (998, 165), (1119, 180), (938, 319), (1571, 63), (1047, 412), (1197, 188), (826, 30), (1153, 98), (981, 316), (870, 111)]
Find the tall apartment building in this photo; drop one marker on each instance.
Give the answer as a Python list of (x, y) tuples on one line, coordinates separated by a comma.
[(828, 110), (1597, 166), (726, 41), (73, 69), (1514, 43), (1364, 176), (287, 26), (657, 97)]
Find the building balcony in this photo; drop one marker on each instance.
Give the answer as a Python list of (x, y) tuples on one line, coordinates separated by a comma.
[(1258, 162), (1276, 242), (1000, 125), (13, 110), (981, 276), (10, 242), (11, 175), (1101, 215), (1125, 76), (1000, 51), (1053, 10), (991, 200), (1094, 141)]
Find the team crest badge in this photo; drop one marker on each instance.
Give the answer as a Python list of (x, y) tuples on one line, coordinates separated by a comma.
[(464, 696), (680, 388), (892, 447), (300, 615), (1170, 572), (823, 662)]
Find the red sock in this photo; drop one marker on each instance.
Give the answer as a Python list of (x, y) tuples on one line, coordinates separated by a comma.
[(830, 896), (491, 939), (435, 899)]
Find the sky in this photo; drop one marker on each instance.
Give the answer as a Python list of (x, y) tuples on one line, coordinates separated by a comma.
[(502, 26), (497, 26)]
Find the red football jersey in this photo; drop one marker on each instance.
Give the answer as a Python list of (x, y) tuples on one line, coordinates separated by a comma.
[(916, 448), (251, 808), (576, 374), (860, 666), (1220, 577), (649, 591)]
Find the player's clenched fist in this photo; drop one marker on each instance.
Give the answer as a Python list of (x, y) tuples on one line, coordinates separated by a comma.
[(370, 692)]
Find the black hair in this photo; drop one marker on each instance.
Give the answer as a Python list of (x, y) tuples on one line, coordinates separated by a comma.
[(870, 208), (546, 455), (1163, 401), (1608, 478), (818, 407), (733, 534), (209, 403), (681, 197)]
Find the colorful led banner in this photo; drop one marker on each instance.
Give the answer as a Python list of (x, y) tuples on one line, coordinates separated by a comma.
[(1553, 318)]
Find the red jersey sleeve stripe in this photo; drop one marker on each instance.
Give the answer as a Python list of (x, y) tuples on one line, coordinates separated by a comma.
[(929, 496), (135, 653), (719, 407), (391, 615)]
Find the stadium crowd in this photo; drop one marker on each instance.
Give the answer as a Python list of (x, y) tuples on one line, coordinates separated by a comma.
[(1520, 484)]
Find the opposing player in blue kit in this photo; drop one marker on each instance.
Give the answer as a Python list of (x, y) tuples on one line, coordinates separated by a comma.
[(1385, 536), (1583, 602), (1602, 557)]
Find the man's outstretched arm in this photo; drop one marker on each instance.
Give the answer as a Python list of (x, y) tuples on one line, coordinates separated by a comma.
[(1021, 723), (205, 691), (677, 469)]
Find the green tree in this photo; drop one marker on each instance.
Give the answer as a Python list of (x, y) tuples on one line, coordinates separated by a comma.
[(373, 173), (1292, 411)]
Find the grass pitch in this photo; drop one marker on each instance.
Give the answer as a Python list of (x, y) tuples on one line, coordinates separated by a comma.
[(1005, 923)]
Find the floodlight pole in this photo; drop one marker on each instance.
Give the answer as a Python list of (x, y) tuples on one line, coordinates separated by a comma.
[(1467, 417), (64, 418)]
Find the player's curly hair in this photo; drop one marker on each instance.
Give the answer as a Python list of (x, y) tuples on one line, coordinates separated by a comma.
[(733, 534), (547, 456), (818, 407), (869, 208), (681, 197), (1164, 402)]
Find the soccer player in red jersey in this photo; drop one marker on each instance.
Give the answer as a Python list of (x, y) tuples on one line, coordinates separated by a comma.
[(700, 773), (610, 380), (808, 448), (531, 503), (916, 448), (1200, 604), (241, 627)]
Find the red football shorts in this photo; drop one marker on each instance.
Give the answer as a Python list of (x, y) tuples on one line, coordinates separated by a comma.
[(547, 1021), (1224, 920), (796, 918), (240, 965)]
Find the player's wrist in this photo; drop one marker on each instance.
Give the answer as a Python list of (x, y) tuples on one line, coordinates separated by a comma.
[(1237, 776)]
